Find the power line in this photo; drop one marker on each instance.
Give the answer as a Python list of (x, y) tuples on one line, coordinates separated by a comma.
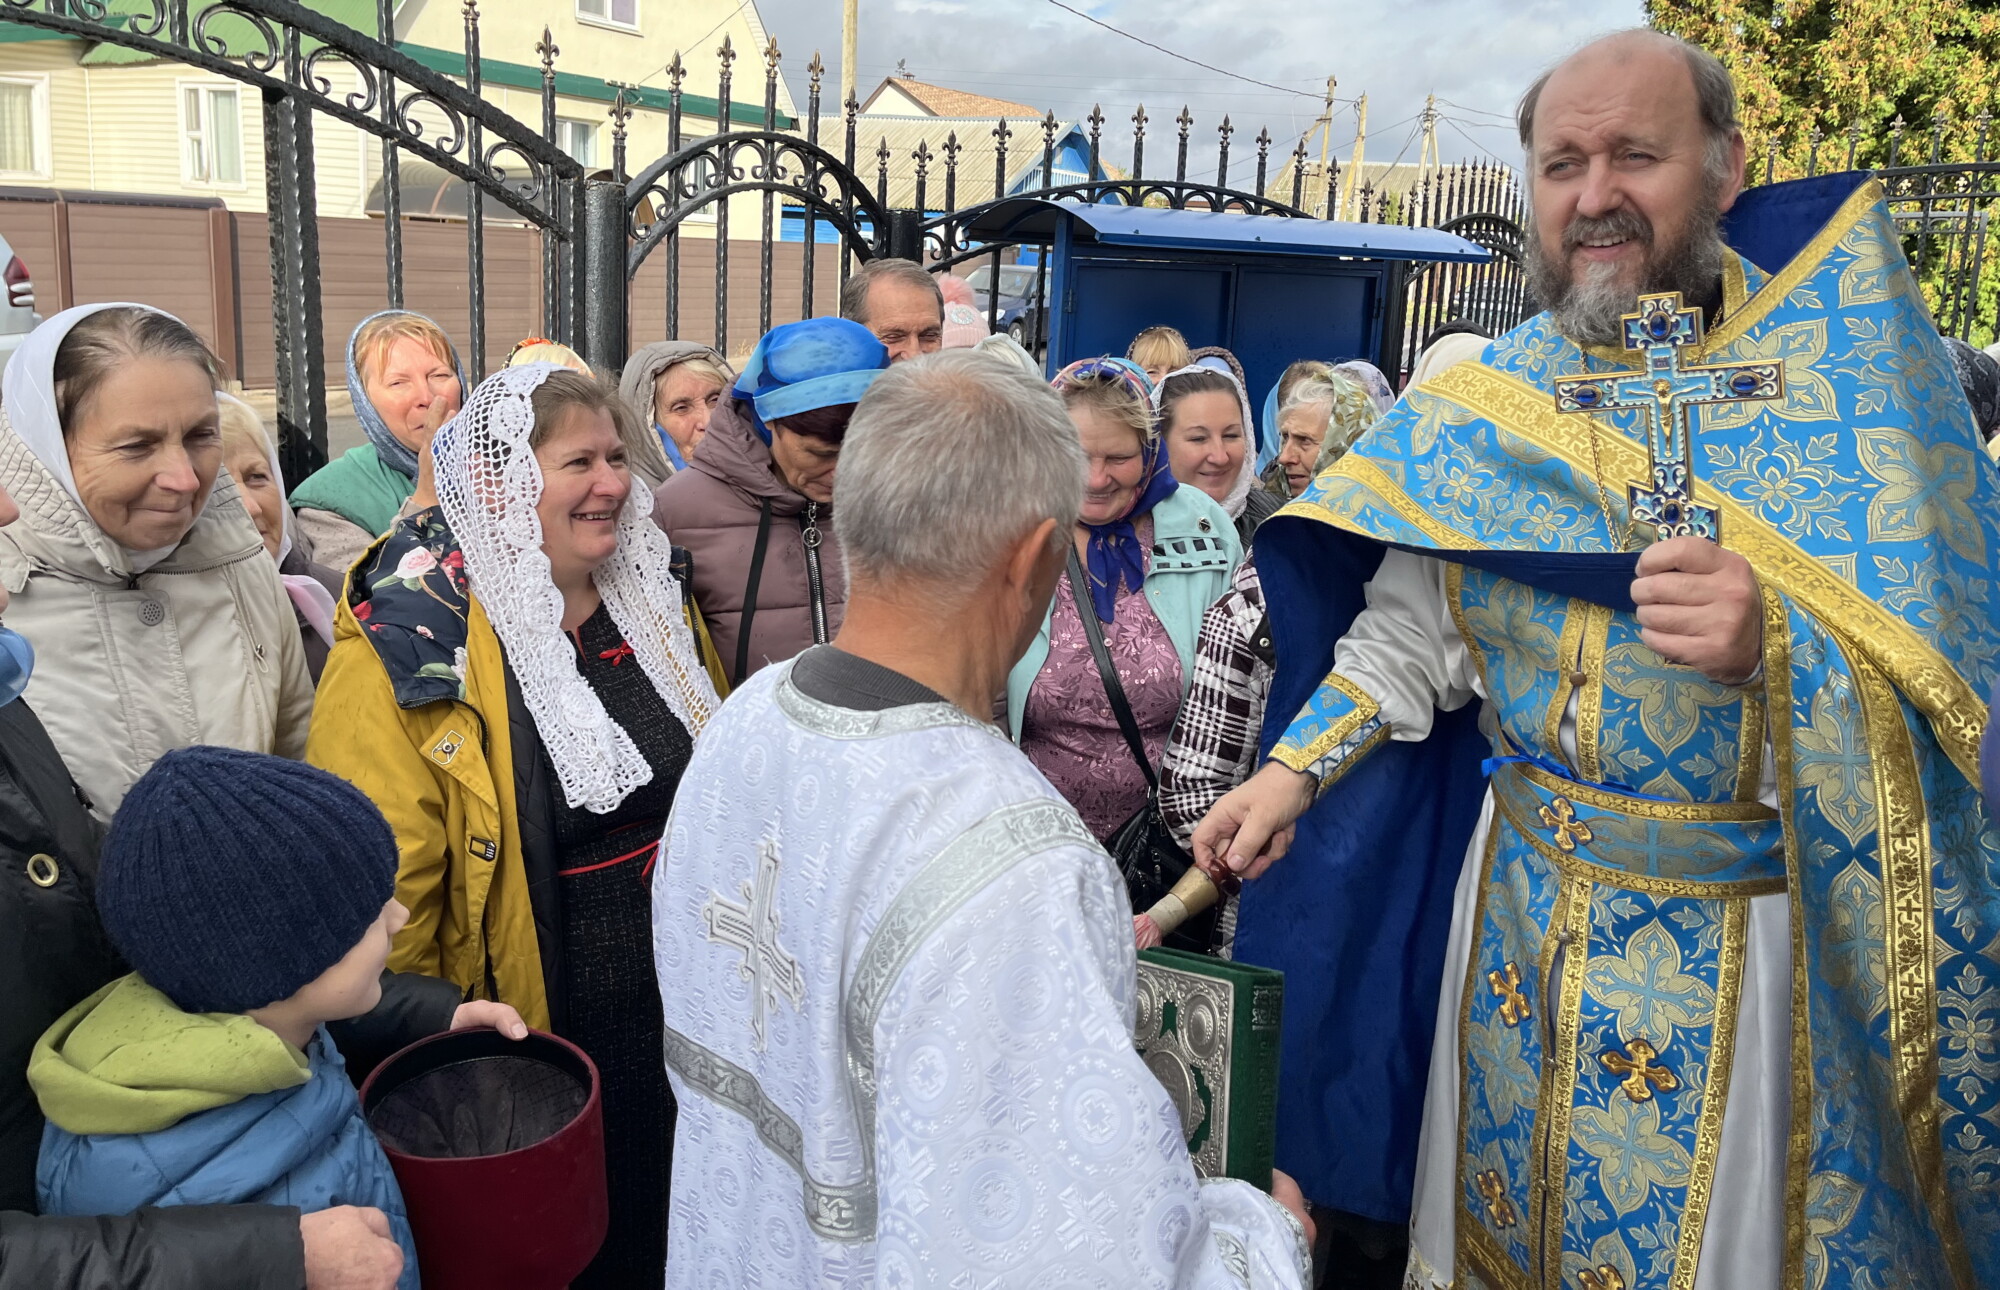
[(1507, 117), (1482, 148), (1478, 125), (1209, 67)]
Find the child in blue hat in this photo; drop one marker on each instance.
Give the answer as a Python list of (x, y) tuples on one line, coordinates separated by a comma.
[(254, 897)]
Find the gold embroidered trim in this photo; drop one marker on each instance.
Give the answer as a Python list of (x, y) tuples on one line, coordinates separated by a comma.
[(1798, 1137), (1735, 289), (1903, 835), (1590, 703), (1392, 498), (1575, 866), (1750, 747), (1370, 744), (1715, 1097), (1468, 1232), (1569, 661), (1930, 681), (1485, 1261), (1365, 710), (1619, 804), (1801, 266), (1560, 1072)]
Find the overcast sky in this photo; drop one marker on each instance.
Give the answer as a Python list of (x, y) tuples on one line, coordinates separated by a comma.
[(1477, 54)]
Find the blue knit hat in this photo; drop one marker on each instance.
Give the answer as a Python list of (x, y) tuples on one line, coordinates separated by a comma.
[(801, 366), (232, 879)]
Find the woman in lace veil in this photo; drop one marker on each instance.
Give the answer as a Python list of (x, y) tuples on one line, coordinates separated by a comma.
[(515, 682)]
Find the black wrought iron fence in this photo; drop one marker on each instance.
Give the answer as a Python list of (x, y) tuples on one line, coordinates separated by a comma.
[(1943, 185), (755, 219), (307, 67)]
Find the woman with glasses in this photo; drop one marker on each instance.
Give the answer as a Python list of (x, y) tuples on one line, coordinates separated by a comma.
[(1149, 558)]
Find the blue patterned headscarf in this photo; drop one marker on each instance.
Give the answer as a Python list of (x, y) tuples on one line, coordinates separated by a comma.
[(392, 451), (803, 366), (1113, 557)]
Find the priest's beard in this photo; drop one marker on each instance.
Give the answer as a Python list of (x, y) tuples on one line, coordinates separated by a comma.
[(1590, 308)]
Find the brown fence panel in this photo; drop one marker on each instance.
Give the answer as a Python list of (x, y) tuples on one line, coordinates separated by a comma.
[(353, 285), (86, 248), (648, 319), (29, 223)]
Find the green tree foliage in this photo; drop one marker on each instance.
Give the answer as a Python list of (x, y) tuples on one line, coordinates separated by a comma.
[(1848, 69), (1838, 84)]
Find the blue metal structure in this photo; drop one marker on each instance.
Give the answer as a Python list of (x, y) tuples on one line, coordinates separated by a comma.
[(1269, 289)]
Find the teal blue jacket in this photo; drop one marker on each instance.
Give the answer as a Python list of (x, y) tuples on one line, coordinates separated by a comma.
[(1195, 550)]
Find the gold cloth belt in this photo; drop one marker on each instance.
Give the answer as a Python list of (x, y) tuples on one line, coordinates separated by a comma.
[(1715, 850)]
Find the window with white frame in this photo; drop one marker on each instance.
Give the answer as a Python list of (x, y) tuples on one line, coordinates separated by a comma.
[(211, 134), (616, 13), (24, 125), (579, 140)]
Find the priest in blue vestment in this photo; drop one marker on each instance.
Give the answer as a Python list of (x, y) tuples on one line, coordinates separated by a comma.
[(1650, 757)]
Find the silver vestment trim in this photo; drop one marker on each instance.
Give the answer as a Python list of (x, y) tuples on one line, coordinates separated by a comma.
[(846, 723), (836, 1213), (940, 889)]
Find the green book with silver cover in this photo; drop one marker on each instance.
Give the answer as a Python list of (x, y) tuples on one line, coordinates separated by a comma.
[(1208, 1030)]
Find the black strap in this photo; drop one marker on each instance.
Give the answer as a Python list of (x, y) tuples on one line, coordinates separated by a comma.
[(750, 592), (1113, 688)]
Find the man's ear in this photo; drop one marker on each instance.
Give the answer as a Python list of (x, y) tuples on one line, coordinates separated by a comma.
[(1024, 563), (1732, 183)]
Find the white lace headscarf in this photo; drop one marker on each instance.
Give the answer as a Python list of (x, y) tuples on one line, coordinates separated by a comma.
[(488, 484)]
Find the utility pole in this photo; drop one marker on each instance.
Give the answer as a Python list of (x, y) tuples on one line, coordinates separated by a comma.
[(1325, 124), (1349, 189), (1428, 159), (850, 22)]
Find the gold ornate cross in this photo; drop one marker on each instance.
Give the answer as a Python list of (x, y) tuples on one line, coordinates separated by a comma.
[(1666, 388), (1507, 986), (1636, 1065), (1498, 1207), (1603, 1277), (1567, 828)]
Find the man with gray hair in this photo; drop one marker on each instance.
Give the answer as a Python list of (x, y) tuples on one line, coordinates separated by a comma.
[(1724, 889), (897, 969), (900, 302)]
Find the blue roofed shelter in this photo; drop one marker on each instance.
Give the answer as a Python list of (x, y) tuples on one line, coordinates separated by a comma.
[(1270, 288)]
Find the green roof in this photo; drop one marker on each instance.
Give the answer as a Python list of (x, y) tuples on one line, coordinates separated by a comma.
[(519, 76), (238, 35)]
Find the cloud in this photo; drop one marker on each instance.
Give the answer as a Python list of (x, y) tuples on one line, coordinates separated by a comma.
[(1476, 55)]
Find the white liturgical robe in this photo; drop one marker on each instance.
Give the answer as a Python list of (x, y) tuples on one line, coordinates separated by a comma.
[(898, 979)]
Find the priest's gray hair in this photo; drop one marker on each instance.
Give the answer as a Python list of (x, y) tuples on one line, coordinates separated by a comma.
[(949, 459), (1714, 92)]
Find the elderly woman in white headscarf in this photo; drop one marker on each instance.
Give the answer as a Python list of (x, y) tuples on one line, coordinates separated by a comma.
[(1206, 423), (134, 569), (515, 683)]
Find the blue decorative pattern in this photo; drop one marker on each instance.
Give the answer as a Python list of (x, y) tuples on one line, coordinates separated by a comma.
[(1873, 522)]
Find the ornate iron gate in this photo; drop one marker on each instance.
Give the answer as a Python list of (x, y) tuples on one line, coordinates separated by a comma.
[(813, 200), (291, 55)]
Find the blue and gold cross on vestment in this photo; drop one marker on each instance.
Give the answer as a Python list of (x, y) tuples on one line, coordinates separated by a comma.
[(1666, 388)]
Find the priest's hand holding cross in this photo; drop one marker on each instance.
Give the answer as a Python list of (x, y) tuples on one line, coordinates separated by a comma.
[(1699, 606)]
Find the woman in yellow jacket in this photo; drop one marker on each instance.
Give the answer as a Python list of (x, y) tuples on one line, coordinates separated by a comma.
[(514, 681)]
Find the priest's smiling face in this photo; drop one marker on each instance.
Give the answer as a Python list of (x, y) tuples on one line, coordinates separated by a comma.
[(1627, 183)]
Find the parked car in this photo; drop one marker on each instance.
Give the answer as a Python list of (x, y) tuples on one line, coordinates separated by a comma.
[(17, 313), (1027, 324)]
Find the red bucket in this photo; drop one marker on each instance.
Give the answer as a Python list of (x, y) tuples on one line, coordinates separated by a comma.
[(499, 1147)]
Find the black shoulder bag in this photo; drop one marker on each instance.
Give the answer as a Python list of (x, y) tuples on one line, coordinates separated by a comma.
[(1144, 847)]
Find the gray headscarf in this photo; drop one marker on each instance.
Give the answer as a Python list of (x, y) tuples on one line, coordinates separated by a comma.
[(636, 384), (388, 447)]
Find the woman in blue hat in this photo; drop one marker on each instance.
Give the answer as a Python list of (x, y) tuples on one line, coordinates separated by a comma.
[(754, 509)]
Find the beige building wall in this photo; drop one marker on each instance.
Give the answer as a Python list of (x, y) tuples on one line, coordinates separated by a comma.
[(120, 128)]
